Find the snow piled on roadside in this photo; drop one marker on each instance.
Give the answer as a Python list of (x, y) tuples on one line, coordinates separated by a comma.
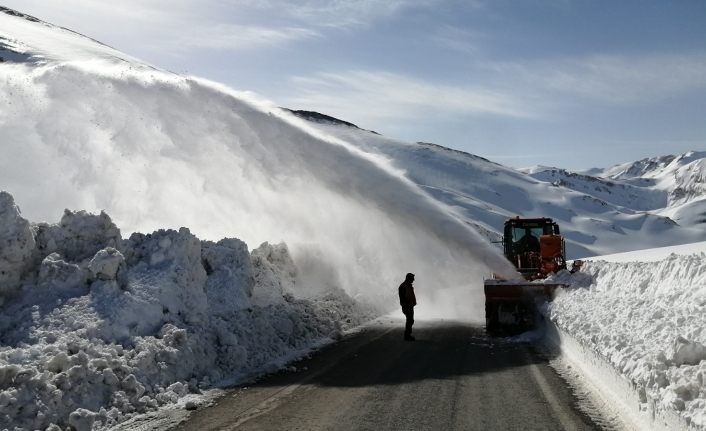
[(95, 329), (648, 320)]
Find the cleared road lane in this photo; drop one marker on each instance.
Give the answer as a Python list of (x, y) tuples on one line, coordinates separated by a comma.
[(452, 378)]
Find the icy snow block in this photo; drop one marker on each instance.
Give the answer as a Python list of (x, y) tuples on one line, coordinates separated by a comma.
[(82, 420), (57, 274), (16, 244), (109, 264), (78, 236), (166, 266), (228, 254), (687, 352), (274, 272), (230, 275)]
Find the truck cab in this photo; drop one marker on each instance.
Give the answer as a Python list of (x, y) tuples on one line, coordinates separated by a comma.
[(534, 246)]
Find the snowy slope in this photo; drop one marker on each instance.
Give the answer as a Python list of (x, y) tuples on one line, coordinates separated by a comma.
[(597, 215), (26, 39), (158, 150), (680, 179), (99, 323), (645, 204)]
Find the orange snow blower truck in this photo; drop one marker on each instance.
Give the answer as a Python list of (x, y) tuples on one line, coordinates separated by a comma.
[(536, 248)]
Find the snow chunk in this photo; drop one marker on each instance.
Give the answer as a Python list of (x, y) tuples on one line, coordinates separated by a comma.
[(230, 274), (16, 245), (688, 352), (57, 274), (168, 264), (82, 419), (275, 273), (78, 236), (108, 264)]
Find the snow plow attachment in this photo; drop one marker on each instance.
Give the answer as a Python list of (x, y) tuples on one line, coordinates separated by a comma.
[(512, 306), (536, 249)]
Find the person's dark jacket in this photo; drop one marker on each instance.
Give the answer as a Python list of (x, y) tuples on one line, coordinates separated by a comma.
[(407, 298)]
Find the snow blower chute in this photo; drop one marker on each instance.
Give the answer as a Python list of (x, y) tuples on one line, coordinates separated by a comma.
[(536, 248)]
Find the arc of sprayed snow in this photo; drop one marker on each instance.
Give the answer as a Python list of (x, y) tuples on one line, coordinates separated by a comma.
[(355, 173)]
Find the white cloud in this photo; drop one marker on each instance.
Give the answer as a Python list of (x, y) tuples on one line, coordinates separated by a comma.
[(232, 37), (458, 39), (371, 96), (339, 13), (614, 79), (169, 27)]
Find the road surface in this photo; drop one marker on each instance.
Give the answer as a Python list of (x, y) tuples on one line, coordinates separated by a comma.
[(452, 378)]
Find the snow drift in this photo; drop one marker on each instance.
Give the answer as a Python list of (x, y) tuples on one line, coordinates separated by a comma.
[(648, 321), (98, 328)]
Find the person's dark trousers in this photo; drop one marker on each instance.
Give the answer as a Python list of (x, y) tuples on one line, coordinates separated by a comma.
[(408, 311)]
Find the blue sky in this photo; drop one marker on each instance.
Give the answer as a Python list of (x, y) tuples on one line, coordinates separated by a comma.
[(574, 84)]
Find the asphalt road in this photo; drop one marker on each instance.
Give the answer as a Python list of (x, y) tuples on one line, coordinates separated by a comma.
[(452, 378)]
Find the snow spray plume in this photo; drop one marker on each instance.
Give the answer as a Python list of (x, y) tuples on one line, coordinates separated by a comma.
[(156, 150)]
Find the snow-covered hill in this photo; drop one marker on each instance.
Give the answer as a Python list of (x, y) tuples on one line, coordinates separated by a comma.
[(156, 150), (26, 39), (649, 203), (597, 214)]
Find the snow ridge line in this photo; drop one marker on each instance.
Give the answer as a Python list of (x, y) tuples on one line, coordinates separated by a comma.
[(612, 387)]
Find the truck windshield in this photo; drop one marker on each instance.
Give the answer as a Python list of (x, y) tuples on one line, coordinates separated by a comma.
[(519, 232)]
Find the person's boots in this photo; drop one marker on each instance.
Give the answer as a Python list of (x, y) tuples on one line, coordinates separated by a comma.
[(409, 337)]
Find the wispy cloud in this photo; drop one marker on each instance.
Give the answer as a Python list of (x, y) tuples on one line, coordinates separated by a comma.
[(174, 27), (339, 13), (231, 37), (373, 95), (534, 90), (457, 39), (613, 79)]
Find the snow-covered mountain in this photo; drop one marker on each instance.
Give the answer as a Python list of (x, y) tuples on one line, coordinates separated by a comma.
[(645, 204), (648, 203), (85, 127)]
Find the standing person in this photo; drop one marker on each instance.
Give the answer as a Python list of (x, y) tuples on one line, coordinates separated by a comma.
[(408, 301)]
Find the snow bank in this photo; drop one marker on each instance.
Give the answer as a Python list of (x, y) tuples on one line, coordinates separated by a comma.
[(653, 254), (648, 321), (95, 329)]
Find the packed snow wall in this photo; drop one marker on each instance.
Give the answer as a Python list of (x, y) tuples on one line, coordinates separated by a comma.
[(646, 320), (95, 328), (157, 150)]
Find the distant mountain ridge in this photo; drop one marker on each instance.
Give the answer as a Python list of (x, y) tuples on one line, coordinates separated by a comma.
[(647, 203), (318, 117)]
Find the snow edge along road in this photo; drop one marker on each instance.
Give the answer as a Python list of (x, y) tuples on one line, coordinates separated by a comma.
[(601, 379)]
